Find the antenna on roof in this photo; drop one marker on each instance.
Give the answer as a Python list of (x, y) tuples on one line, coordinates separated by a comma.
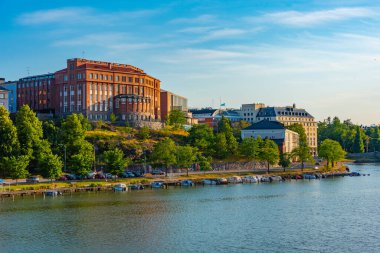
[(27, 71)]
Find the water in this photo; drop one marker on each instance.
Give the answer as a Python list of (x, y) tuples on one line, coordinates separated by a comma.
[(331, 215)]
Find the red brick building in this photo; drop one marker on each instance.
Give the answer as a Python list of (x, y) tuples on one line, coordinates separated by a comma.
[(95, 89), (98, 89), (37, 92)]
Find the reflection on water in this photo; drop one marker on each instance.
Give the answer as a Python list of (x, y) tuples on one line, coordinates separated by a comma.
[(334, 215)]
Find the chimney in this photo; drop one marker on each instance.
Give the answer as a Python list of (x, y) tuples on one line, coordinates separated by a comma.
[(294, 105)]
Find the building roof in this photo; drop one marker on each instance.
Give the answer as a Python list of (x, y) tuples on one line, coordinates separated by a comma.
[(283, 111), (265, 124), (3, 89), (203, 111)]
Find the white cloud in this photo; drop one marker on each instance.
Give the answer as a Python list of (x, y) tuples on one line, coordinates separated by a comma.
[(77, 15), (195, 20), (305, 19)]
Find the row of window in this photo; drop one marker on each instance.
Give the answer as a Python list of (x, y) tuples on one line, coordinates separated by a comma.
[(33, 84)]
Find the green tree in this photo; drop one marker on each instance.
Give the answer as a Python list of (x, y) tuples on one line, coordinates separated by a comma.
[(29, 130), (331, 151), (143, 133), (164, 153), (302, 153), (249, 149), (298, 128), (51, 132), (285, 161), (202, 137), (115, 161), (224, 127), (358, 146), (51, 166), (221, 148), (113, 118), (176, 118), (16, 166), (185, 156), (9, 144), (204, 162), (269, 152), (80, 153), (80, 157), (238, 126)]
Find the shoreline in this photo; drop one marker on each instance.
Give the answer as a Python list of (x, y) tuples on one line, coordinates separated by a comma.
[(198, 180)]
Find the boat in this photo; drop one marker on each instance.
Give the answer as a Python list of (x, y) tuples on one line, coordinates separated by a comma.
[(296, 177), (234, 180), (250, 179), (187, 183), (120, 187), (265, 179), (136, 187), (209, 181), (222, 180), (275, 178), (51, 193), (157, 184), (355, 174), (309, 176)]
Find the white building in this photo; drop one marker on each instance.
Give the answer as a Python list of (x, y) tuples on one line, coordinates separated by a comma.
[(286, 140)]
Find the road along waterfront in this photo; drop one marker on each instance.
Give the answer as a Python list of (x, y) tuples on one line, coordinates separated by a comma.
[(331, 215)]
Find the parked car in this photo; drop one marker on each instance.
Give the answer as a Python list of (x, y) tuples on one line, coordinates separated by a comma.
[(71, 177), (33, 180), (62, 178), (100, 176), (158, 172), (91, 175)]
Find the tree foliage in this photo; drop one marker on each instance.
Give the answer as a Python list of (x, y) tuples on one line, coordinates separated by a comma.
[(176, 118), (331, 151), (51, 166), (16, 166), (9, 144), (269, 153), (164, 153), (115, 161), (202, 138)]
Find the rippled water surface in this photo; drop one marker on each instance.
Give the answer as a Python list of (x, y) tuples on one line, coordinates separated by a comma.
[(332, 215)]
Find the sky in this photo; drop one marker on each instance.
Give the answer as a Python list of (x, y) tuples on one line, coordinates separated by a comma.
[(322, 55)]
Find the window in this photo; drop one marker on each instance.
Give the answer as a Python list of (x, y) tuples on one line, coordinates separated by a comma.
[(105, 77), (72, 108), (101, 77), (79, 76), (117, 78), (95, 76), (123, 79), (110, 77), (91, 76), (130, 79), (2, 95), (137, 80), (64, 77)]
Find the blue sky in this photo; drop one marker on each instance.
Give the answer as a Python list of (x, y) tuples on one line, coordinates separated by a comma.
[(322, 55)]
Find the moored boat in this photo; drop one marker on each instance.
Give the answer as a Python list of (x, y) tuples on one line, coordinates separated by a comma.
[(265, 179), (136, 187), (209, 181), (309, 176), (51, 193), (187, 183), (275, 178), (157, 184), (120, 187), (234, 180), (250, 179), (222, 180)]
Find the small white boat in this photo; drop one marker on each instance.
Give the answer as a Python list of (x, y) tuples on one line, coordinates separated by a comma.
[(250, 179), (51, 193), (120, 187), (157, 184), (234, 180), (309, 176), (209, 181), (187, 183), (265, 179), (222, 180), (275, 178), (136, 187)]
